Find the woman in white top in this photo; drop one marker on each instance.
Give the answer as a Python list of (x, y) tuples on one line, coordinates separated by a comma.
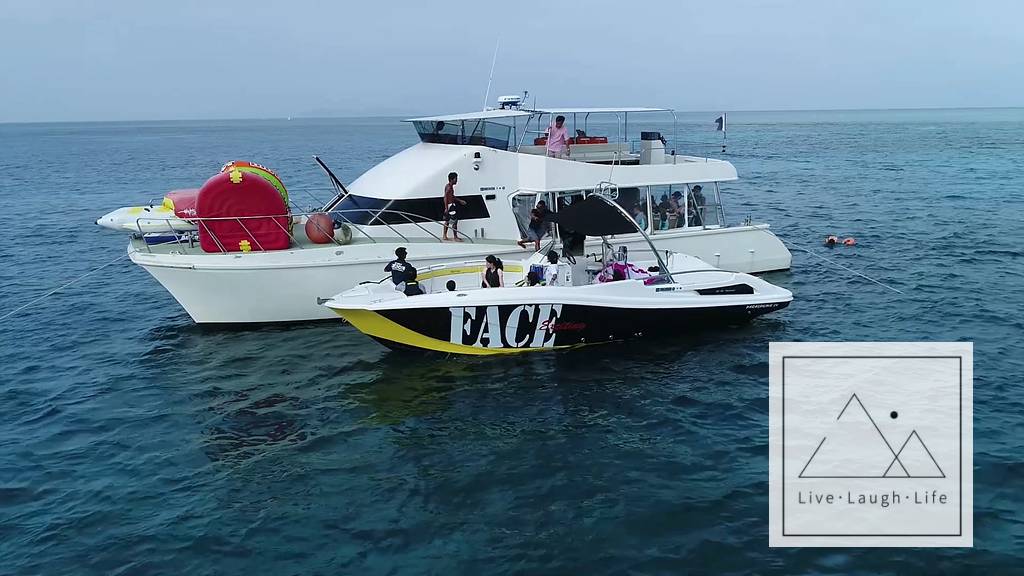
[(551, 269)]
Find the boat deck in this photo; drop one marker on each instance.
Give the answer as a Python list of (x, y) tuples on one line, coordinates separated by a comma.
[(300, 242)]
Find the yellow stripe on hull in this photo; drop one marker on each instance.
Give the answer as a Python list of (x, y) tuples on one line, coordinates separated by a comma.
[(462, 270), (373, 324)]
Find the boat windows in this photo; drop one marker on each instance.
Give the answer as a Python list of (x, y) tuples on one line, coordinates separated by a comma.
[(363, 210), (631, 200), (667, 207), (472, 132), (685, 205), (706, 206)]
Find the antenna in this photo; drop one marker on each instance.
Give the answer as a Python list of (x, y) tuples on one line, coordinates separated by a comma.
[(487, 95)]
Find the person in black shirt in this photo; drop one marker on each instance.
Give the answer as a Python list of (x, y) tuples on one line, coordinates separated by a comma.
[(534, 230), (696, 206), (403, 274), (398, 268), (542, 207), (493, 274), (663, 208)]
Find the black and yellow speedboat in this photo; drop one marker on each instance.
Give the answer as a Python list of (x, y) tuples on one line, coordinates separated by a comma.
[(608, 299)]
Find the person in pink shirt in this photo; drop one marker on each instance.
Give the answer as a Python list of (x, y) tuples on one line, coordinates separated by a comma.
[(558, 139)]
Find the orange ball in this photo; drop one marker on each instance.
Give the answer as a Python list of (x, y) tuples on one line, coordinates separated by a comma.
[(319, 228)]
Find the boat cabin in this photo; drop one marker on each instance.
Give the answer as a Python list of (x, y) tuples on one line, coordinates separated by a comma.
[(525, 132), (504, 174), (503, 171)]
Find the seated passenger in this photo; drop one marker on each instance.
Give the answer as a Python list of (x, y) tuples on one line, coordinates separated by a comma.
[(493, 275), (551, 269), (450, 285), (398, 268), (639, 214), (617, 271), (532, 278), (412, 287)]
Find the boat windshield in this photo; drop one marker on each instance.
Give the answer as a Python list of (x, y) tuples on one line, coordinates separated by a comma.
[(472, 132)]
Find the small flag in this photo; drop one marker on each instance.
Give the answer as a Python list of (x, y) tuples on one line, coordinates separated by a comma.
[(720, 123)]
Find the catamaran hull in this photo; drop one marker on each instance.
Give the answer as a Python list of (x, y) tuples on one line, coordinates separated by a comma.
[(512, 328), (279, 287)]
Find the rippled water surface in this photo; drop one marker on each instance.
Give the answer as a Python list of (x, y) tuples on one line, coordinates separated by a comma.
[(134, 442)]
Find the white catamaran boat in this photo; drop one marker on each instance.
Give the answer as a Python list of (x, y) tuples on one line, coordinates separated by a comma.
[(503, 173), (584, 302)]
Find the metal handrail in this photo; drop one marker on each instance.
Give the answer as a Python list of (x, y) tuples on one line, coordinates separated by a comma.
[(203, 222), (701, 270)]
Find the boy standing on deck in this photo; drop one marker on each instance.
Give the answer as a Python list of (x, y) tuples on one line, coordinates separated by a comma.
[(451, 210)]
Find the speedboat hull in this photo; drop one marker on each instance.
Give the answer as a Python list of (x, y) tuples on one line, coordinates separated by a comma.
[(516, 319), (512, 328)]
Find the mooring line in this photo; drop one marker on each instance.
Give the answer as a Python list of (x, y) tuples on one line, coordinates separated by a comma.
[(61, 287)]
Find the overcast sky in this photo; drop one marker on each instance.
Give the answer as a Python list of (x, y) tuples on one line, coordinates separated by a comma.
[(121, 60)]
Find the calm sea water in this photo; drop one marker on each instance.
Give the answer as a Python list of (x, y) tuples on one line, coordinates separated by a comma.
[(134, 442)]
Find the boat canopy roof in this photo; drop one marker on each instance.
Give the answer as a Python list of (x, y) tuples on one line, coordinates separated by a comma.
[(480, 115), (499, 128), (519, 113), (599, 110), (595, 216)]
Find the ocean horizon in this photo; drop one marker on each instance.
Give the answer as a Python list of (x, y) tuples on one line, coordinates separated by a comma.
[(396, 115)]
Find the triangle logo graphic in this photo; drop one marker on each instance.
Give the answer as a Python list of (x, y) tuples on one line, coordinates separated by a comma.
[(854, 448), (916, 459)]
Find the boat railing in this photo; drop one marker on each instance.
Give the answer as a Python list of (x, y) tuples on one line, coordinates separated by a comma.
[(348, 216), (308, 192), (433, 267), (678, 149)]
